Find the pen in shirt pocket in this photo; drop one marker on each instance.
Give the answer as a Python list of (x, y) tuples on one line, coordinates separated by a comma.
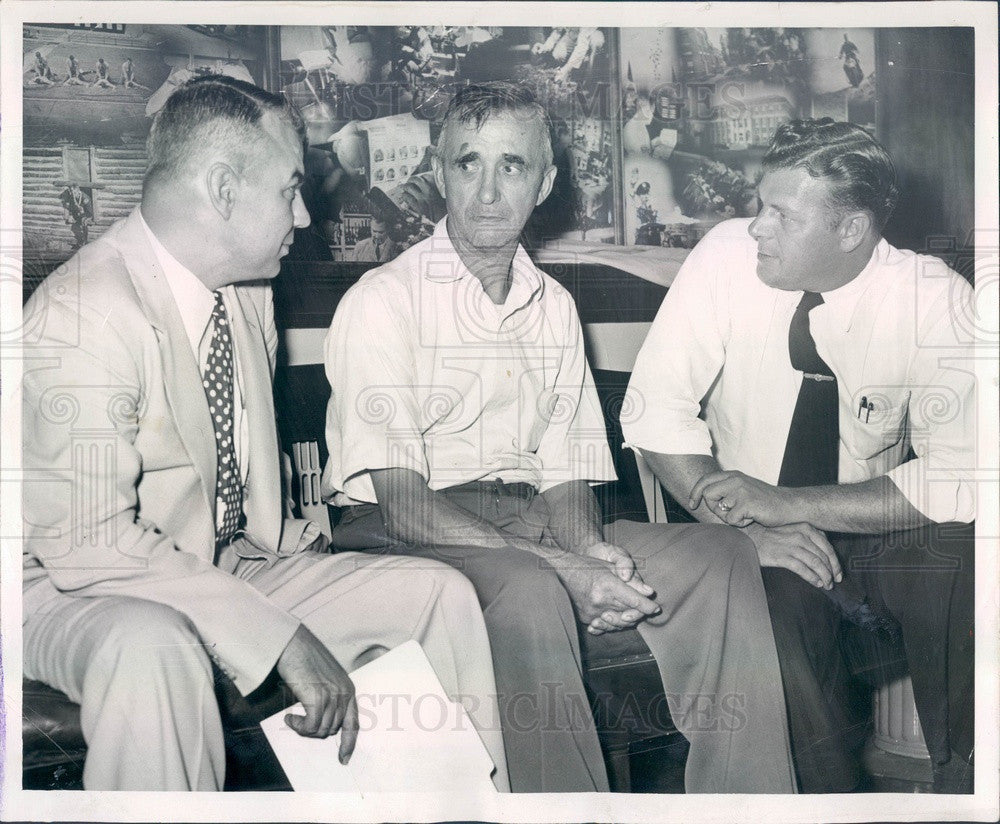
[(865, 406)]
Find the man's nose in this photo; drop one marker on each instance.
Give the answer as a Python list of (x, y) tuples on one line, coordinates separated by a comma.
[(300, 214), (757, 226), (488, 186)]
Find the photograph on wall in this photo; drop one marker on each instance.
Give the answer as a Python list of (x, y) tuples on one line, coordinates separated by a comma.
[(700, 106), (373, 98), (842, 75), (90, 93)]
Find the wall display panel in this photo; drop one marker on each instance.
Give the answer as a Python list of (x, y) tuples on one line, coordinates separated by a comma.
[(373, 98), (90, 92), (658, 132), (700, 106)]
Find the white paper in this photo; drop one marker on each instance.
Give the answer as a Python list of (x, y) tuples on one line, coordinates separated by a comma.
[(412, 737)]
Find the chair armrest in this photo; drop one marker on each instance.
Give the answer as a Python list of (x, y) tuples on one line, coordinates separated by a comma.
[(651, 491)]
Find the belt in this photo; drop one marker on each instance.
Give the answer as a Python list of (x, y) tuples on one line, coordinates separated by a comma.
[(498, 488)]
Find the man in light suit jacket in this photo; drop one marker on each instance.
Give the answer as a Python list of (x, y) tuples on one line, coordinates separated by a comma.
[(154, 535), (379, 248)]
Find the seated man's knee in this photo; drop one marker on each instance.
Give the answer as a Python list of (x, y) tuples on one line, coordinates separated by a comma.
[(154, 640), (454, 586), (728, 548), (530, 588), (790, 596)]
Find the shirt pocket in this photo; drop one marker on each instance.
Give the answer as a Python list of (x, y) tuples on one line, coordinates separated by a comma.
[(877, 422)]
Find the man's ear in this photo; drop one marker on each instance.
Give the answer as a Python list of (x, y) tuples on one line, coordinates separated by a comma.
[(221, 180), (853, 229), (548, 178), (438, 168)]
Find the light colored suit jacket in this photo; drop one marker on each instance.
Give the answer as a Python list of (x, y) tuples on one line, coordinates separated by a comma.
[(119, 451)]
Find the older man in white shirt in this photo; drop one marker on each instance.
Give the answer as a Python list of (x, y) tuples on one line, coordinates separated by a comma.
[(811, 385), (464, 426)]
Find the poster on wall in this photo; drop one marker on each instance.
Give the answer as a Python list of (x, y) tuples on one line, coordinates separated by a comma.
[(90, 92), (700, 106), (842, 75), (373, 98)]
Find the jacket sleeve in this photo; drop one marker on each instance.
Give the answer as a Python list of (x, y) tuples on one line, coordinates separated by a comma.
[(84, 400)]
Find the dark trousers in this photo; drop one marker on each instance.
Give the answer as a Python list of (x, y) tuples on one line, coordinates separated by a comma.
[(922, 581), (712, 644)]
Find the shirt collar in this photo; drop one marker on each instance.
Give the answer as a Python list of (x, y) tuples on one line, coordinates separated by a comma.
[(443, 265), (195, 301), (843, 301)]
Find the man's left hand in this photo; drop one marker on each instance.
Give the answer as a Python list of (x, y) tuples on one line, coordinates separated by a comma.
[(624, 568), (740, 500)]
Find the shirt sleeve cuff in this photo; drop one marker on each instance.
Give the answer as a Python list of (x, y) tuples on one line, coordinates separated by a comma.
[(941, 497), (670, 438), (355, 468)]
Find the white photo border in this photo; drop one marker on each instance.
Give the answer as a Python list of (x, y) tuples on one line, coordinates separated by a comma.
[(18, 805)]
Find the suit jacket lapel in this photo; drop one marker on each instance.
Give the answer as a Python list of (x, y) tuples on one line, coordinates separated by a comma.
[(262, 500), (181, 376)]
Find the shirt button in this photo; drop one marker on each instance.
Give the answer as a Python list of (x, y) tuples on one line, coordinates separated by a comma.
[(513, 442)]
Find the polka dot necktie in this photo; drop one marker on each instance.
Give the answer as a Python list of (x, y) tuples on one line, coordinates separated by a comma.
[(218, 384)]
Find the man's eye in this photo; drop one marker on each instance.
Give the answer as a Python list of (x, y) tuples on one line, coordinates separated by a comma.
[(511, 169)]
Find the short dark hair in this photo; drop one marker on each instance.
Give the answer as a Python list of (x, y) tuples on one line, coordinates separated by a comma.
[(855, 165), (478, 102), (215, 113)]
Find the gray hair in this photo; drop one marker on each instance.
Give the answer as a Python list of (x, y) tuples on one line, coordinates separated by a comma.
[(477, 103), (217, 114)]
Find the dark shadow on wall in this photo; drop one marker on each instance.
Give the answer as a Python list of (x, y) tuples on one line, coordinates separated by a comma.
[(926, 119)]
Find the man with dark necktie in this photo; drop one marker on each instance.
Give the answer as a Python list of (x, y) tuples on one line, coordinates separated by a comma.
[(811, 386), (464, 426)]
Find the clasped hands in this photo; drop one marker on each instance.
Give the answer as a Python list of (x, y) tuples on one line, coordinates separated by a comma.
[(772, 519), (605, 587)]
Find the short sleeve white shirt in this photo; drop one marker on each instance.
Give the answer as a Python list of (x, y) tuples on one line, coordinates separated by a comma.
[(715, 378), (429, 374)]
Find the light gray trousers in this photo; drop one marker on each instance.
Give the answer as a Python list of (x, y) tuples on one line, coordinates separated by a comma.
[(144, 680)]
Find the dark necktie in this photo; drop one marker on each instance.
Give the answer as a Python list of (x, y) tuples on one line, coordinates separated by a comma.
[(813, 445), (812, 452), (218, 384)]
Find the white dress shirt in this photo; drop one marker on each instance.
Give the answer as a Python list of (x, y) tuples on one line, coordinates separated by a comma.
[(429, 374), (196, 302), (714, 375)]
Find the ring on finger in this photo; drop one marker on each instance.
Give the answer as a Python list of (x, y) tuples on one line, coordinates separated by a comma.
[(724, 506)]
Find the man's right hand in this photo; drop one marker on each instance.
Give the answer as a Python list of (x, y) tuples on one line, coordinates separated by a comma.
[(801, 548), (324, 689), (601, 598)]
